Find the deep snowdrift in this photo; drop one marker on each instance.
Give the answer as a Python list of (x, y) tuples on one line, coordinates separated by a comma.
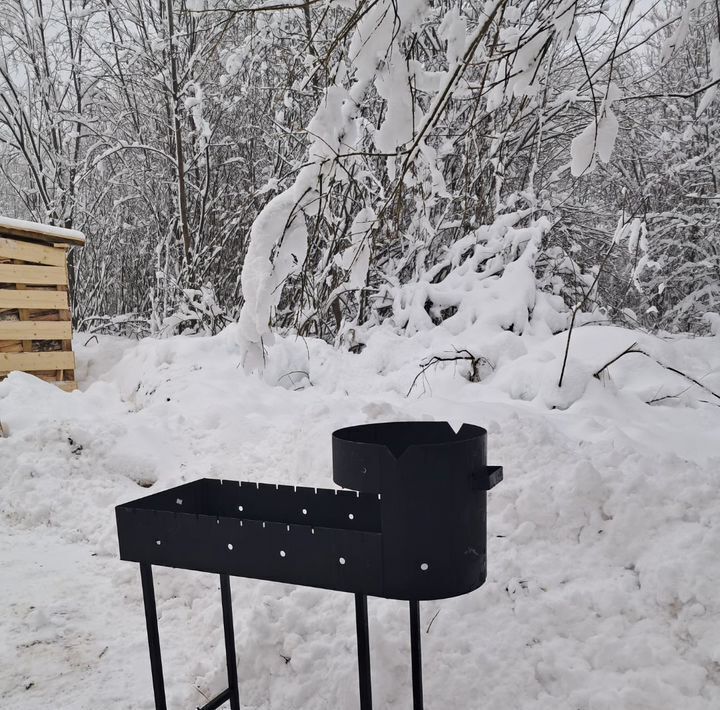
[(603, 544)]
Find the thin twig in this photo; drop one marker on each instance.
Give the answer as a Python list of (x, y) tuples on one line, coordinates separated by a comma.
[(427, 631), (638, 351), (475, 360), (615, 359)]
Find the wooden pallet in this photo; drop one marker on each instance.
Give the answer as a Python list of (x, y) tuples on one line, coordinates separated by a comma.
[(35, 330)]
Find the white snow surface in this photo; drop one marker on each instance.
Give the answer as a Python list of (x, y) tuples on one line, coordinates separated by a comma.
[(603, 539), (47, 229)]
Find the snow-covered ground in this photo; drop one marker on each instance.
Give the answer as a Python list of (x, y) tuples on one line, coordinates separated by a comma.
[(603, 588)]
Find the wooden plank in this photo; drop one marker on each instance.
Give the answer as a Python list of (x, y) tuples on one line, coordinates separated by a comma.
[(37, 275), (28, 330), (32, 253), (41, 232), (37, 300), (24, 314), (12, 346), (66, 344), (31, 362)]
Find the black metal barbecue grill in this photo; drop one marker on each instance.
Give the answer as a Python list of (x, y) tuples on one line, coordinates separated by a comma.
[(413, 527)]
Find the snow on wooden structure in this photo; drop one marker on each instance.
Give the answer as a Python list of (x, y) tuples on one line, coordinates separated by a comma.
[(35, 328)]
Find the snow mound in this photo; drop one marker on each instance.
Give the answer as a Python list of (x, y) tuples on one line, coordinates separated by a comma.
[(603, 538)]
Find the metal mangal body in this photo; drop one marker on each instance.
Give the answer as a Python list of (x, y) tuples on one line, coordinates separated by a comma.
[(412, 527), (433, 485)]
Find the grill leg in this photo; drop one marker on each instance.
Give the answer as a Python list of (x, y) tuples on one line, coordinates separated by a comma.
[(229, 642), (416, 651), (363, 641), (153, 635)]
